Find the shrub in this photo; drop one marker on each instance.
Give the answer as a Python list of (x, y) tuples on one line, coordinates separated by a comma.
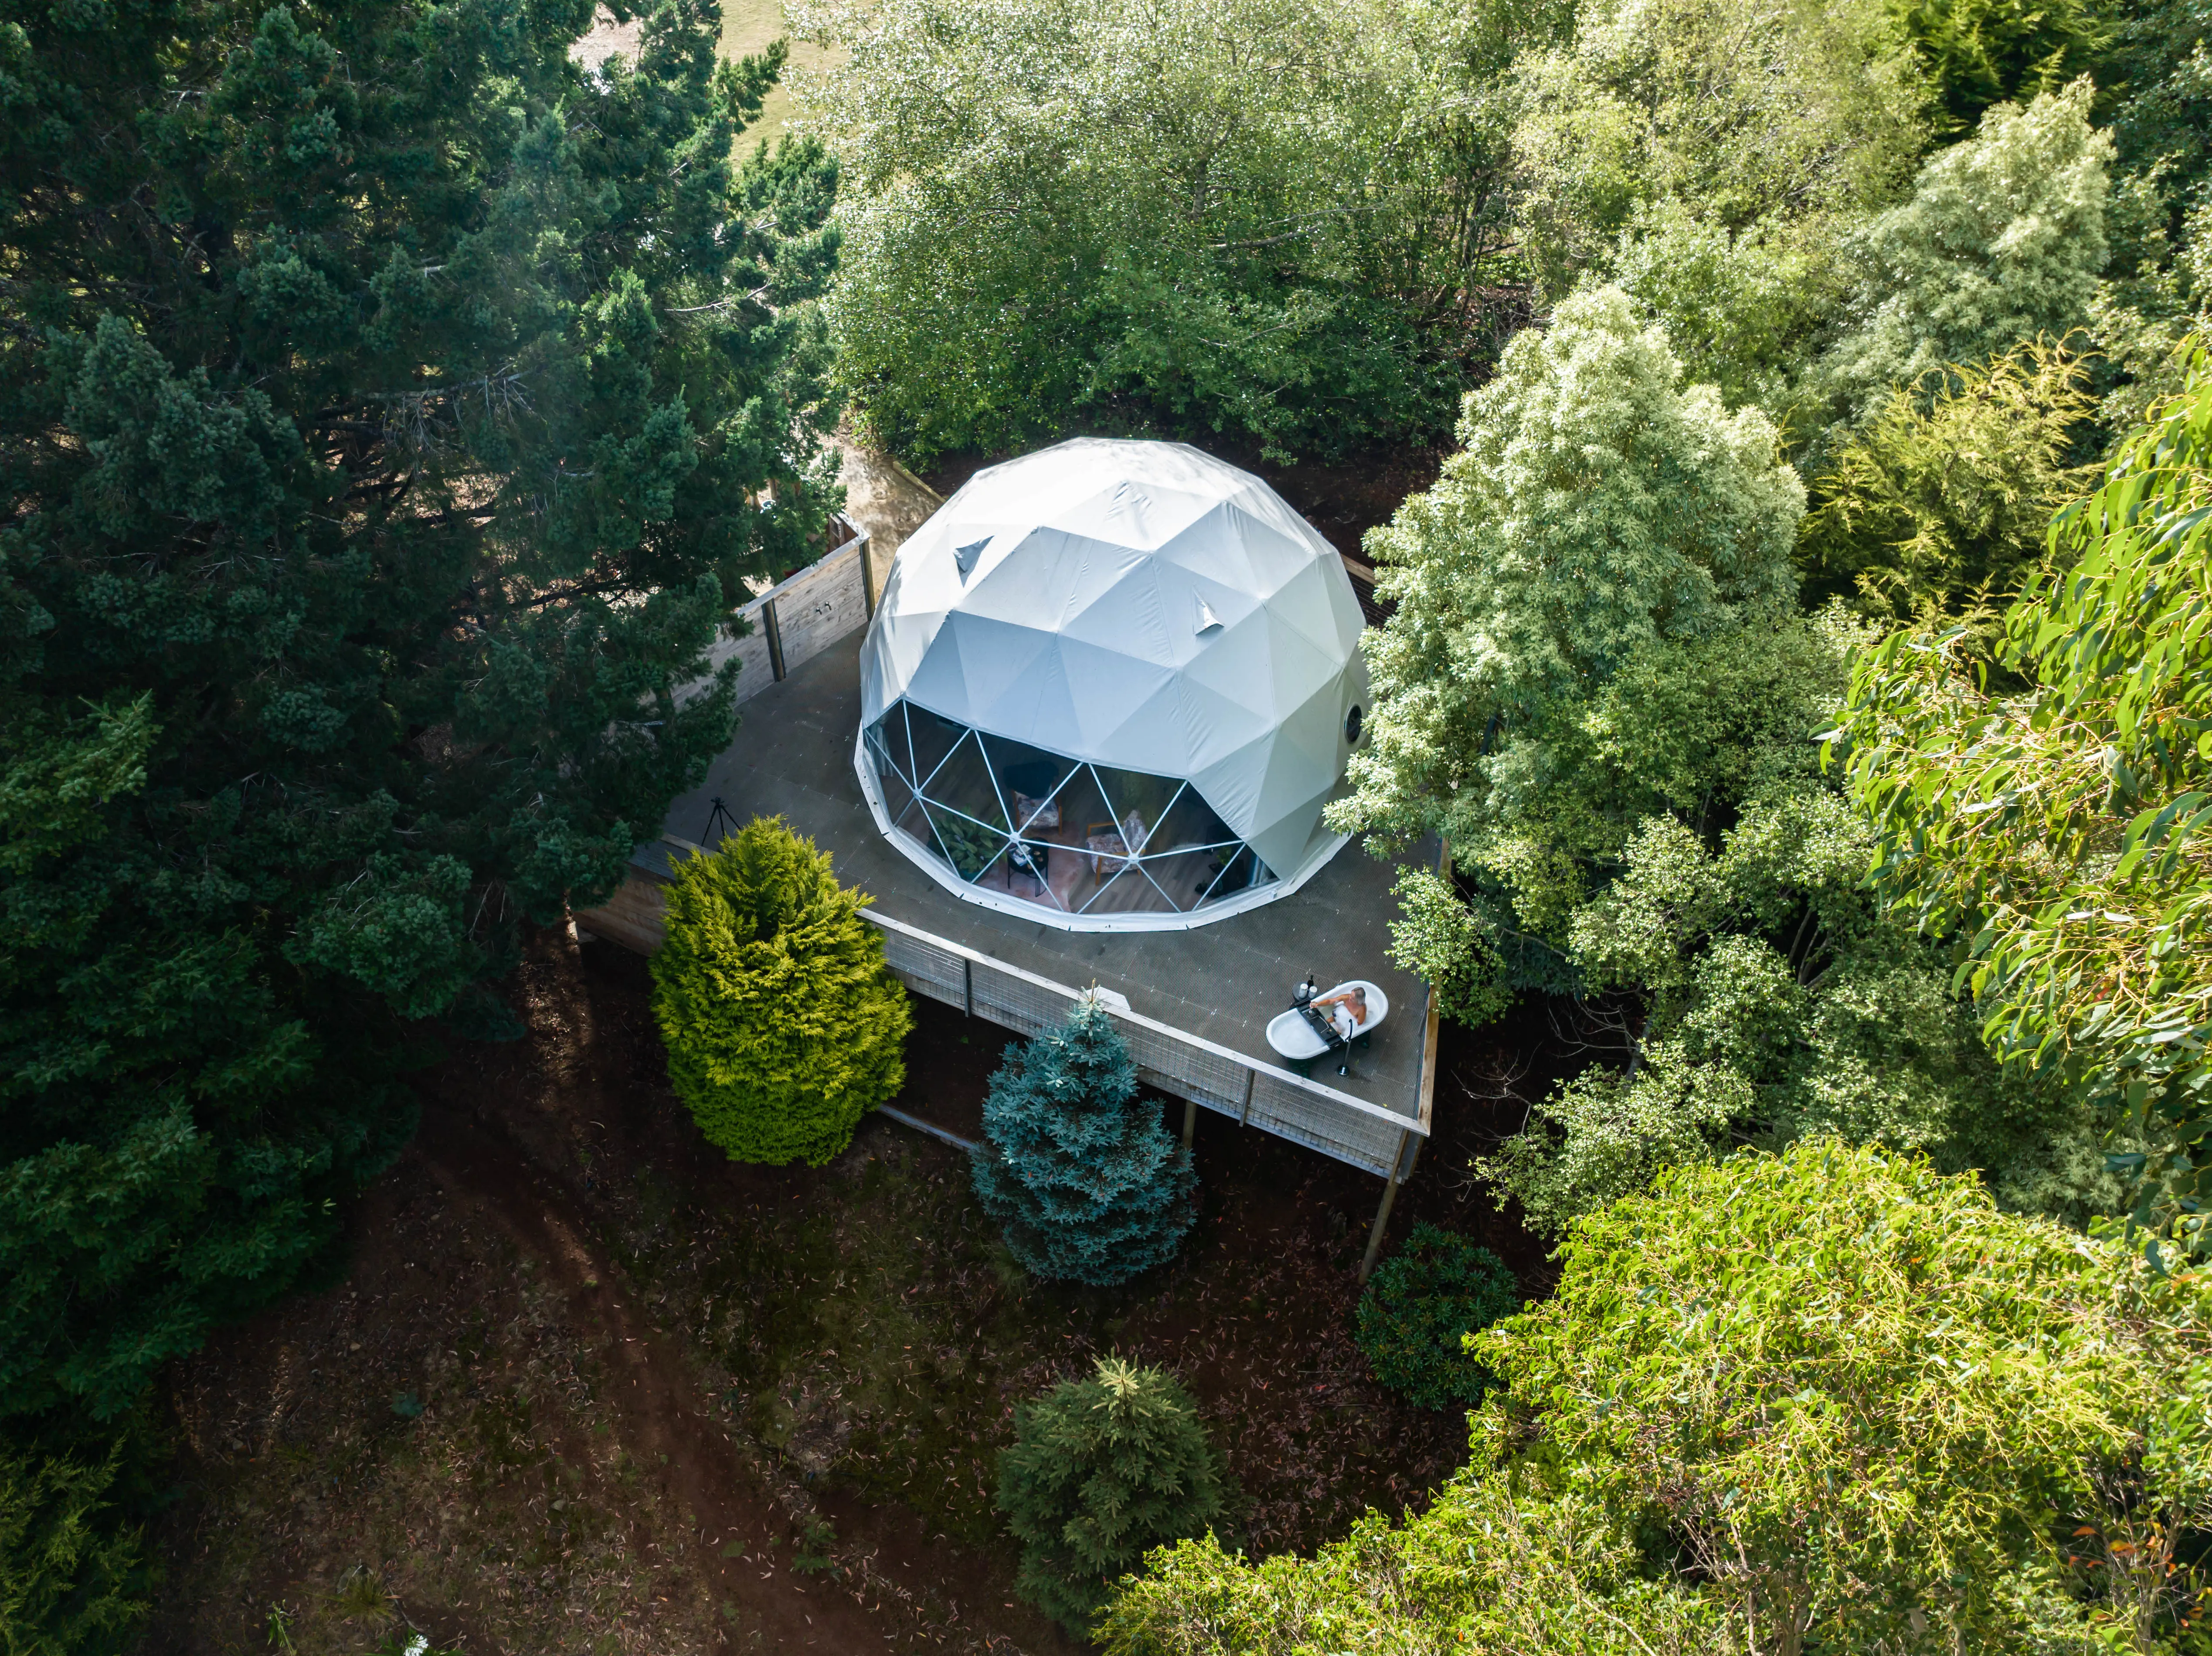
[(1102, 1470), (1437, 1289), (783, 1025), (1088, 1183)]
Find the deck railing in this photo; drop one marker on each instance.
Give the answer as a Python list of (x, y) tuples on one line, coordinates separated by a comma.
[(1255, 1093), (1188, 1066)]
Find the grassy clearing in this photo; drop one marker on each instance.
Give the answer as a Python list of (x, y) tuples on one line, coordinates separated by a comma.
[(748, 25)]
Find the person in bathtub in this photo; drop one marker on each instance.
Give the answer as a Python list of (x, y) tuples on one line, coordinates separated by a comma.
[(1346, 1012)]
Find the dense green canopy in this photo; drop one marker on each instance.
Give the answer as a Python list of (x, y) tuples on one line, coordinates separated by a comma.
[(1825, 1401), (1270, 221), (389, 410)]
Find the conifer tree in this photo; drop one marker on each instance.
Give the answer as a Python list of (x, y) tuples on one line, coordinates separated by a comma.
[(1102, 1470), (1088, 1183), (72, 1580), (784, 1027), (392, 409)]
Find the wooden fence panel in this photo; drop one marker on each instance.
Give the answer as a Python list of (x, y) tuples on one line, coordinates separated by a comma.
[(818, 606)]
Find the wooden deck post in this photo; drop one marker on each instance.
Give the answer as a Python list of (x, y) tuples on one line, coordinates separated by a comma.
[(775, 631), (1399, 1171), (1189, 1121)]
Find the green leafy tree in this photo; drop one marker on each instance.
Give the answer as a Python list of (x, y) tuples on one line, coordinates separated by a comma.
[(1690, 730), (390, 408), (783, 1025), (1076, 1164), (1267, 220), (2059, 834), (1764, 127), (1768, 999), (72, 1580), (2160, 67), (1827, 1400), (2145, 320), (1597, 508), (2158, 290), (1744, 308), (1941, 504), (1425, 1298), (2003, 241), (1100, 1471), (1665, 849), (1953, 1380)]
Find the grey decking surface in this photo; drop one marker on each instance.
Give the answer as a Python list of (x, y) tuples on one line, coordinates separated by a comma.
[(793, 758)]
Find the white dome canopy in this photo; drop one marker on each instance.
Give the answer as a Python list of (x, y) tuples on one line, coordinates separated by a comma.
[(1139, 606)]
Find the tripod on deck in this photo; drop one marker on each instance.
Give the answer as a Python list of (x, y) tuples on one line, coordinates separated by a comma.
[(718, 817)]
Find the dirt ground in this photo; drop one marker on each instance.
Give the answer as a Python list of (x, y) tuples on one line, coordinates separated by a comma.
[(588, 1386)]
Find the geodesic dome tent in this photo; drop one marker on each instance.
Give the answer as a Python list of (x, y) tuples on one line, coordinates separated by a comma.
[(1110, 685)]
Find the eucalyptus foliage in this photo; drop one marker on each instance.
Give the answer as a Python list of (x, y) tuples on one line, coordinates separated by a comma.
[(1828, 1400), (2058, 834), (1265, 221), (783, 1024)]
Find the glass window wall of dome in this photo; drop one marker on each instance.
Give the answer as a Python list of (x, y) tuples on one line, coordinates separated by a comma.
[(1047, 829)]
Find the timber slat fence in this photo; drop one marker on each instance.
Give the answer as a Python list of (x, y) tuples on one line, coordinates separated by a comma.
[(801, 615)]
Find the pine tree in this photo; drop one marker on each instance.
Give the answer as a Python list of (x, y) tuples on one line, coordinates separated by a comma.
[(783, 1025), (1102, 1470), (392, 409), (1088, 1183)]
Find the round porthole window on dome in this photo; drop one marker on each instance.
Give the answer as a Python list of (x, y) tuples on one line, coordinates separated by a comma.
[(1097, 689), (1352, 726)]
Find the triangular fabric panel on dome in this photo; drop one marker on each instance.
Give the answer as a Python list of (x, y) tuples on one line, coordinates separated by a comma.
[(1303, 761), (1203, 733), (1107, 691)]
